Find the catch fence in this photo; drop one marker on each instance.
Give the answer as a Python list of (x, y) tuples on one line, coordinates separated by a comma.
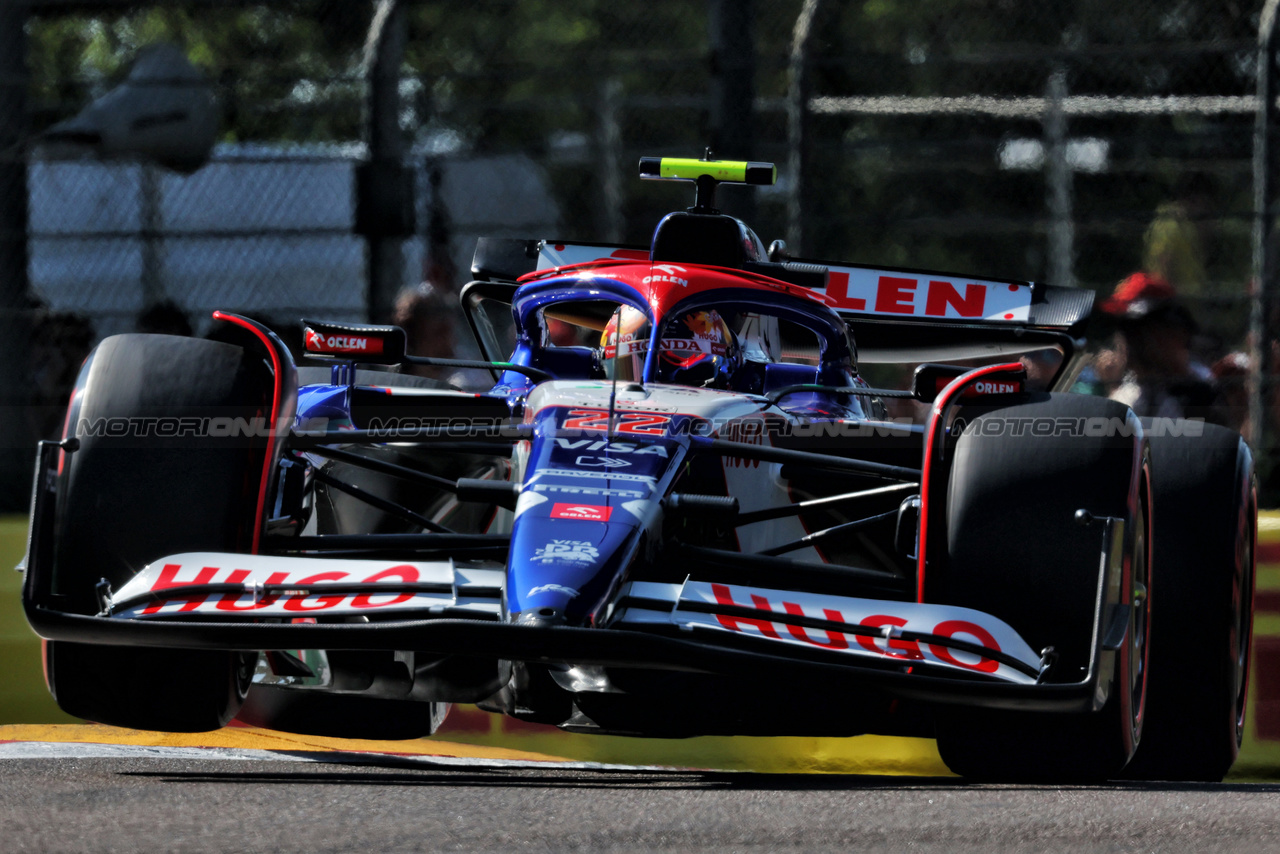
[(1073, 143)]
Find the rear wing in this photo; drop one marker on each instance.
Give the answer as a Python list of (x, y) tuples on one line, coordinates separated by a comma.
[(505, 259), (857, 292), (896, 316), (860, 292)]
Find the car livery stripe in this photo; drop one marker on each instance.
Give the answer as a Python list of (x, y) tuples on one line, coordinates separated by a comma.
[(946, 635), (263, 335), (732, 614), (898, 293), (222, 585)]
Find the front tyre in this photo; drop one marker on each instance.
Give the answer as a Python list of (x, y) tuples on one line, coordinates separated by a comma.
[(135, 491), (1016, 550), (152, 689)]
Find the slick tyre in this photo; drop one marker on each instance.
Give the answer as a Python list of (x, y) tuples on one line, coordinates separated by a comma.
[(1204, 525), (1016, 549), (148, 480)]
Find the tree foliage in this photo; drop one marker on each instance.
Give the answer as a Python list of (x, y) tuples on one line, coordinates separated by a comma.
[(547, 77), (286, 71)]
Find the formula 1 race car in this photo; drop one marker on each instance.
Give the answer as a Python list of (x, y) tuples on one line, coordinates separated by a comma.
[(682, 509)]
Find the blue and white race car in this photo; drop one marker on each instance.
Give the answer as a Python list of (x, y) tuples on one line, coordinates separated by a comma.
[(682, 509)]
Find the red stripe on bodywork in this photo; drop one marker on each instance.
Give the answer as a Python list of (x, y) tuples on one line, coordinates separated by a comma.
[(268, 458)]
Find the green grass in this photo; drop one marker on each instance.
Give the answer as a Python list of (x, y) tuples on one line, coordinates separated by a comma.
[(23, 696)]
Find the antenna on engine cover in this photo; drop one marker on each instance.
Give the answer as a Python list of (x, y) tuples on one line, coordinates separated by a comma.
[(707, 174)]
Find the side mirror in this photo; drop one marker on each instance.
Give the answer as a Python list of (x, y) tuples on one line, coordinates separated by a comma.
[(164, 112), (358, 342), (930, 379)]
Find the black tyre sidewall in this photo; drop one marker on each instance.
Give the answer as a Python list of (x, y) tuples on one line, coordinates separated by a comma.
[(1014, 549), (1204, 523), (125, 500)]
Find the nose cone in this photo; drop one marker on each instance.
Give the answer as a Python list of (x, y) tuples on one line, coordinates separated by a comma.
[(542, 617), (563, 566), (585, 503)]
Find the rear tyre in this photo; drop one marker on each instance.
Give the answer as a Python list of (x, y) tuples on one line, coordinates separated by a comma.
[(313, 712), (1016, 551), (1205, 518), (142, 486)]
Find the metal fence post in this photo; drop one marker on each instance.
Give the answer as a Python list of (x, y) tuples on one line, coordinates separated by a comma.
[(150, 203), (1262, 308), (610, 147), (733, 71), (1058, 173), (799, 85), (384, 206), (17, 439)]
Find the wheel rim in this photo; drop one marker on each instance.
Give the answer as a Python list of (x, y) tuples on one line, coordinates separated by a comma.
[(1242, 622), (242, 668), (1139, 626)]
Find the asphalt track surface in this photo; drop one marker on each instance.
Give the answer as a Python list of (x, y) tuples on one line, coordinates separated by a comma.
[(135, 798)]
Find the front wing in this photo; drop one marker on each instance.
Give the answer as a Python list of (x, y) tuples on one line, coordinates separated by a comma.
[(211, 586), (262, 602)]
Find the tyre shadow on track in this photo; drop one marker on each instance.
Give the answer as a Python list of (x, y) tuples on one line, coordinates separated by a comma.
[(524, 778), (364, 770)]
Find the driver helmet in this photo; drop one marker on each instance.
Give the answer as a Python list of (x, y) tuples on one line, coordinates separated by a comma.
[(624, 343), (698, 349)]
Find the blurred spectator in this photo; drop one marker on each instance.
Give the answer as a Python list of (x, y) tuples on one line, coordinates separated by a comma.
[(60, 342), (430, 317), (1103, 374), (562, 334), (1231, 374), (1154, 341), (1041, 366), (164, 318), (1174, 248)]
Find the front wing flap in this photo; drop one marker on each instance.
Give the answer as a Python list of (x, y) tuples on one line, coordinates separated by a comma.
[(233, 586), (213, 585), (936, 637)]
